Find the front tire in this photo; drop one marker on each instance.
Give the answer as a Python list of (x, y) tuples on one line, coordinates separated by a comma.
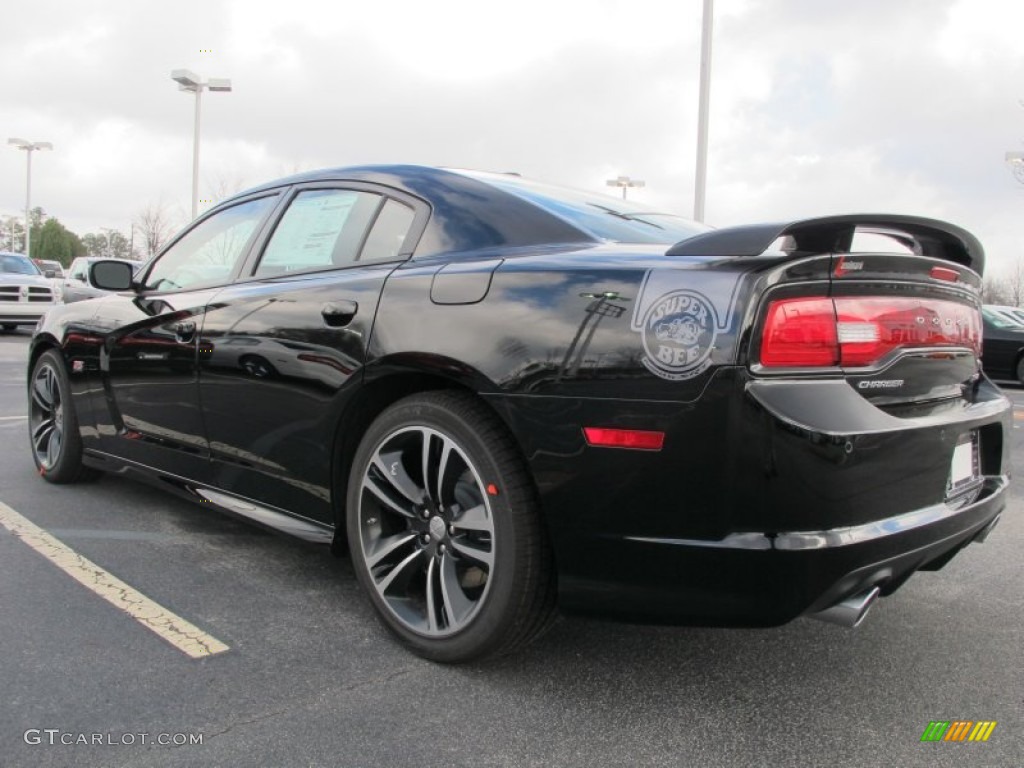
[(445, 532), (53, 423)]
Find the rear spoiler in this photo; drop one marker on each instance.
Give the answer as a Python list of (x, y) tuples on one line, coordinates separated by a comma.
[(834, 234)]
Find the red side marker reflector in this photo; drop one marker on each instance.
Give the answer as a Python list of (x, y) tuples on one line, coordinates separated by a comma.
[(492, 489), (944, 273), (638, 439)]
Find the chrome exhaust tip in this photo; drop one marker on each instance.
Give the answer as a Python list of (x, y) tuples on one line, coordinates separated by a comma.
[(850, 612)]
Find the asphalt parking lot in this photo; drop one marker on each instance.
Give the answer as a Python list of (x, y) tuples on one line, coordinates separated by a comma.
[(310, 678)]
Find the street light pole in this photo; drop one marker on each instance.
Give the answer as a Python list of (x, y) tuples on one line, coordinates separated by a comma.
[(702, 115), (29, 147), (625, 183), (195, 153), (190, 81)]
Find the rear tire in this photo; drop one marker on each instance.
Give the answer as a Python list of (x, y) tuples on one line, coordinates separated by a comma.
[(53, 423), (1020, 371), (445, 532)]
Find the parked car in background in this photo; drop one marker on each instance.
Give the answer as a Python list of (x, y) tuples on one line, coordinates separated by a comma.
[(25, 293), (54, 272), (1002, 346), (502, 395), (48, 266), (1013, 314), (78, 285)]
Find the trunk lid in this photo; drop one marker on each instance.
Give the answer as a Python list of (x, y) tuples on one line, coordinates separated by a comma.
[(890, 303)]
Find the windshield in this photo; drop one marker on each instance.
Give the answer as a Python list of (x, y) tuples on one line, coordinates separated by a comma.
[(601, 216), (14, 264), (1000, 321)]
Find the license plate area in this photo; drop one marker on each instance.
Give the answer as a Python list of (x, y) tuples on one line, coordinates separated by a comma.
[(964, 469)]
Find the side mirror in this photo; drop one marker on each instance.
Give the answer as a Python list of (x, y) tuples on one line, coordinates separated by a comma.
[(49, 273), (111, 275)]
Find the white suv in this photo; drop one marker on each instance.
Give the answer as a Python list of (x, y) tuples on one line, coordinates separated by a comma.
[(25, 294)]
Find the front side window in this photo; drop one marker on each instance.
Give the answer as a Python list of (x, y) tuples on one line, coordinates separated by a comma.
[(209, 252), (322, 229)]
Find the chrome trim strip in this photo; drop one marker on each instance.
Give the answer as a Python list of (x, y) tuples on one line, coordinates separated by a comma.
[(732, 541), (838, 537), (303, 528), (277, 520)]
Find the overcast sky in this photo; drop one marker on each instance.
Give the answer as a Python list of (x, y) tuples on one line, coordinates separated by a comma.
[(818, 106)]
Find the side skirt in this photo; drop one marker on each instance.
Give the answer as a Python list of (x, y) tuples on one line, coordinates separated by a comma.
[(238, 506)]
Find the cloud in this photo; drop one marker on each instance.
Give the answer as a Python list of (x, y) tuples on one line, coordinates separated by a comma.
[(816, 107)]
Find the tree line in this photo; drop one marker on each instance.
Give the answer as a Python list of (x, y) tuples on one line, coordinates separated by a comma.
[(1006, 288), (51, 240)]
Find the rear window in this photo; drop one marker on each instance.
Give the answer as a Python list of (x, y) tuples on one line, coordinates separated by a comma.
[(601, 216)]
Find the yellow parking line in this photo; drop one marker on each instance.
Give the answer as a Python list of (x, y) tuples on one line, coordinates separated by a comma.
[(184, 636)]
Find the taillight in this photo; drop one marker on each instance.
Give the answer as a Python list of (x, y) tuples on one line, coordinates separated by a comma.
[(857, 332), (800, 332)]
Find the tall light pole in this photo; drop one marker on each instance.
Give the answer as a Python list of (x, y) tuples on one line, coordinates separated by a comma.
[(702, 115), (626, 183), (29, 147), (190, 81)]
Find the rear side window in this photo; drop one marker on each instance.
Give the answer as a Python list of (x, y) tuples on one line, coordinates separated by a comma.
[(322, 229), (389, 231)]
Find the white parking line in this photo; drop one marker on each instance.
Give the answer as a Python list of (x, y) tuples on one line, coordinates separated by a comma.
[(184, 636), (13, 418)]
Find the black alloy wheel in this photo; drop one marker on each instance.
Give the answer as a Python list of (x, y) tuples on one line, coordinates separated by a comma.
[(444, 530), (53, 423)]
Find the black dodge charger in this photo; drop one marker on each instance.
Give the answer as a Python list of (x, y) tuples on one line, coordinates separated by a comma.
[(504, 397)]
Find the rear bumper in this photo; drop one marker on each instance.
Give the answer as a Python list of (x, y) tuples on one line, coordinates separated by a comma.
[(761, 579), (765, 504)]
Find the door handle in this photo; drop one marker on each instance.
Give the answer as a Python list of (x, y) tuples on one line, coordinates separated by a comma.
[(185, 331), (338, 314)]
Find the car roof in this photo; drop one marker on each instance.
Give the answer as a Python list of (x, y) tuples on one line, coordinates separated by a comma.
[(467, 213)]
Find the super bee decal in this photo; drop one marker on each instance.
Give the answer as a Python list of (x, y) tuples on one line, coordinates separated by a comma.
[(679, 327), (678, 334)]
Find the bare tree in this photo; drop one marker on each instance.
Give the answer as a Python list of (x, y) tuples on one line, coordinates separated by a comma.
[(156, 226), (1016, 160), (224, 186), (1015, 283), (995, 291), (12, 234)]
